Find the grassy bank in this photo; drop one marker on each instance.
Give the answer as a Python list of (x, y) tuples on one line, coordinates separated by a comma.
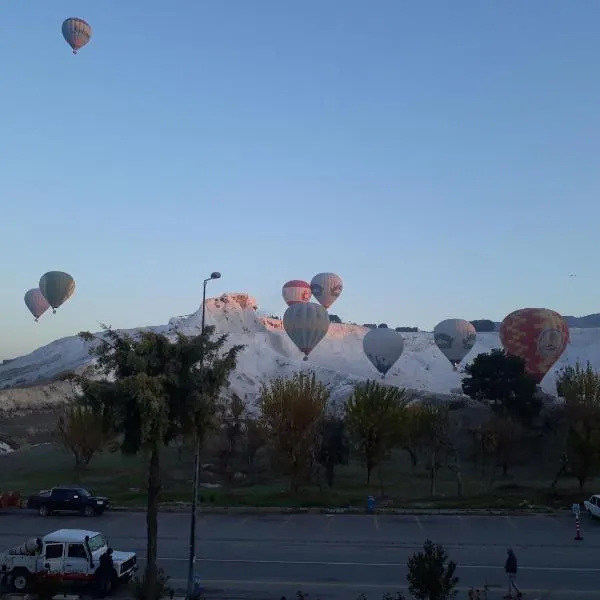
[(123, 479)]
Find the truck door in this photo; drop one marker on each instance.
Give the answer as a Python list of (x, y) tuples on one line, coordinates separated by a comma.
[(77, 563), (54, 561)]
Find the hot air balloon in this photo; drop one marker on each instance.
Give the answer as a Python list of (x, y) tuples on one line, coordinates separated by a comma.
[(383, 348), (57, 287), (307, 324), (326, 288), (36, 303), (455, 338), (538, 335), (76, 32), (295, 291)]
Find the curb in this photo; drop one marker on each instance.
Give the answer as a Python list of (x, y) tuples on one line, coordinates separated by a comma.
[(273, 510)]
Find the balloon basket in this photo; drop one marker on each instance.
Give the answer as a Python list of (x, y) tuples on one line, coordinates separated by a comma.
[(305, 358), (53, 311)]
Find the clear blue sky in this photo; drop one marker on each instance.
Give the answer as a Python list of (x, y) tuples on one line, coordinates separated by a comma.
[(442, 157)]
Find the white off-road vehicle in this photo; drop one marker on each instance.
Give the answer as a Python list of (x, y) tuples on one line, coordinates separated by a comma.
[(73, 555)]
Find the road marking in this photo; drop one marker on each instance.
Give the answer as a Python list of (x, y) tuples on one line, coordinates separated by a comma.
[(329, 519), (463, 522), (364, 564), (284, 522), (376, 522), (244, 520), (342, 584), (511, 522), (419, 523)]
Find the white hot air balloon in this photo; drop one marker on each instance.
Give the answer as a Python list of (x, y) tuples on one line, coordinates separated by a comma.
[(455, 338), (295, 291), (383, 348), (306, 323), (326, 288)]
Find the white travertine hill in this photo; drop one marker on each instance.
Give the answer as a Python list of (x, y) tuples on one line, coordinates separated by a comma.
[(338, 360)]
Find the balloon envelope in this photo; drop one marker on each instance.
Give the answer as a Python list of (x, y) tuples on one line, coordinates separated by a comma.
[(455, 338), (295, 291), (76, 32), (36, 303), (306, 323), (383, 348), (57, 287), (326, 288), (538, 335)]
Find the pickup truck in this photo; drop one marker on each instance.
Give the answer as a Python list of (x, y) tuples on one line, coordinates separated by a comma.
[(68, 499), (71, 555)]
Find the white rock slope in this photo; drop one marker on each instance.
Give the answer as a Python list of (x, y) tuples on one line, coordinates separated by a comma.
[(338, 360)]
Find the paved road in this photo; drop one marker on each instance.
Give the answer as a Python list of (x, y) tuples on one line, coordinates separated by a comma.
[(337, 557)]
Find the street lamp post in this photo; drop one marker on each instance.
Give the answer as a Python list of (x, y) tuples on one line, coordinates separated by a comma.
[(192, 552)]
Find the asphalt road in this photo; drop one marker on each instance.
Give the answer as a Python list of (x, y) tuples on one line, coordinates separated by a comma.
[(338, 557)]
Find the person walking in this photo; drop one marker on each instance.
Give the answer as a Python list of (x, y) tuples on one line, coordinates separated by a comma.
[(511, 567)]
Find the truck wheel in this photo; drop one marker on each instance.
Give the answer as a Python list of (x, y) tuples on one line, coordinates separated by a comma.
[(20, 579), (43, 511), (89, 511)]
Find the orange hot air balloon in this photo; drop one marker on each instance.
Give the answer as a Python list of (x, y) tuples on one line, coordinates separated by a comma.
[(538, 335)]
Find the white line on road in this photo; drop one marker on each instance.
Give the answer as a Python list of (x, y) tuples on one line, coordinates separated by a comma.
[(366, 564), (419, 522)]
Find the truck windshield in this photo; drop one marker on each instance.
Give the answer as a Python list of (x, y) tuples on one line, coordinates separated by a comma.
[(97, 542)]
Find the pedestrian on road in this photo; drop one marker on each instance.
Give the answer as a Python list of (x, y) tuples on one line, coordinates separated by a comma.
[(511, 568), (105, 574)]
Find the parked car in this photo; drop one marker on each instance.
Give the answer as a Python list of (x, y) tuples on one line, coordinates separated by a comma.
[(72, 556), (68, 499)]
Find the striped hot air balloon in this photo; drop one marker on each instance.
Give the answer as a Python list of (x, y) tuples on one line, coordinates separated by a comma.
[(538, 335), (306, 323), (383, 348), (326, 288), (295, 291), (36, 303), (77, 33)]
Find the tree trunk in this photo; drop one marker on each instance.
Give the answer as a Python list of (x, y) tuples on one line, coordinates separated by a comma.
[(330, 472), (432, 475), (413, 456), (154, 486)]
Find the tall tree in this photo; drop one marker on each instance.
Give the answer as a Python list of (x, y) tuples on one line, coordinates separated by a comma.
[(159, 388), (501, 380), (80, 430), (291, 411), (374, 416), (580, 388), (333, 446)]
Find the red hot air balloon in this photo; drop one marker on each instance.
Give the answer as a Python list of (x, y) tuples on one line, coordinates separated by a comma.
[(296, 291), (538, 335)]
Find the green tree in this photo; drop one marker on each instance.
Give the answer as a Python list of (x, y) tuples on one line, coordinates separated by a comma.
[(333, 447), (291, 411), (159, 389), (231, 423), (431, 576), (581, 391), (374, 416), (501, 379), (80, 430)]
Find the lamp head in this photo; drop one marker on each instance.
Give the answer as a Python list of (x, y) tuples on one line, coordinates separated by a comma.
[(215, 275)]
